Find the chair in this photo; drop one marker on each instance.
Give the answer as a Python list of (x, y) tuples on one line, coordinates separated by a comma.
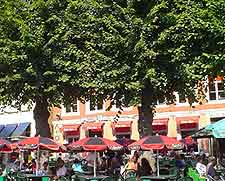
[(172, 162), (145, 178), (109, 179), (63, 179), (44, 178), (173, 172), (185, 179), (20, 177), (129, 173), (2, 178), (131, 179), (76, 176), (163, 171)]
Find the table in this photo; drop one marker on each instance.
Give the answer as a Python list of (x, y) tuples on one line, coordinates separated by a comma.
[(88, 177), (34, 177), (161, 177)]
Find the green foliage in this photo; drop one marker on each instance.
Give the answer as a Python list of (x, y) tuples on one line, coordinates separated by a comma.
[(75, 48)]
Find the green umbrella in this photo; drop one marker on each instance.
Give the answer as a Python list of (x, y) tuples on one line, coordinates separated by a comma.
[(216, 130)]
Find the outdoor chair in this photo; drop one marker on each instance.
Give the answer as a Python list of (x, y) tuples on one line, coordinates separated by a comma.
[(2, 178), (145, 178), (76, 176), (63, 179), (131, 179), (129, 173), (109, 179), (164, 171), (172, 163), (20, 177), (187, 178), (45, 178)]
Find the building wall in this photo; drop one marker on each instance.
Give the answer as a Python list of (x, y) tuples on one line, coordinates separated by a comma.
[(176, 112)]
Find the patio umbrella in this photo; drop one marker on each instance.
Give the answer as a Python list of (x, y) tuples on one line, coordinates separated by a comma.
[(125, 141), (94, 144), (216, 130), (39, 143), (157, 142), (43, 143), (6, 146)]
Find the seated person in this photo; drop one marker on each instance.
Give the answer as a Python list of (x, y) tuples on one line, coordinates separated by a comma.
[(180, 163), (210, 168), (131, 164), (45, 169), (60, 169), (103, 165), (144, 168), (24, 166), (15, 166), (200, 167), (77, 167)]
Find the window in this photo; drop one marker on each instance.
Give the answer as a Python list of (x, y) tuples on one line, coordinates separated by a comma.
[(72, 107), (96, 104), (72, 139), (216, 91), (95, 133)]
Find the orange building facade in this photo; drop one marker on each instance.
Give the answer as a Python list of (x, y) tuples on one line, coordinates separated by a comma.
[(79, 120)]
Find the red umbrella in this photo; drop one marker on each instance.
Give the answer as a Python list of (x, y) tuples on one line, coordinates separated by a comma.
[(94, 144), (125, 141), (6, 146), (154, 143), (33, 143)]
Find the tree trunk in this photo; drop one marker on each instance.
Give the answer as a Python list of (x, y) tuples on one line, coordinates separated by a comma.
[(41, 115), (146, 110)]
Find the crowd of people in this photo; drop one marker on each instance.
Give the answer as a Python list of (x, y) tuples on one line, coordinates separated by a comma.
[(143, 163)]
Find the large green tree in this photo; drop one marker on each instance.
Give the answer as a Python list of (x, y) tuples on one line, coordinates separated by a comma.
[(132, 52), (31, 75), (161, 47), (53, 51)]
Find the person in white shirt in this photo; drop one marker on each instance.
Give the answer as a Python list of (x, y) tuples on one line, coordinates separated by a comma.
[(200, 167), (61, 169)]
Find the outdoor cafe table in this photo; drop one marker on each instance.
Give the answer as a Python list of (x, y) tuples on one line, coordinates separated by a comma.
[(161, 177), (34, 177), (88, 177)]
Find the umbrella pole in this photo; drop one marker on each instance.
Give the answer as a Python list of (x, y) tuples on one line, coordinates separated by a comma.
[(95, 165), (38, 160), (21, 158), (157, 162)]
